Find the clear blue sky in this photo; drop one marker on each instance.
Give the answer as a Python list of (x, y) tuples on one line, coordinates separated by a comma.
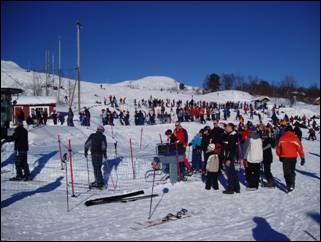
[(183, 40)]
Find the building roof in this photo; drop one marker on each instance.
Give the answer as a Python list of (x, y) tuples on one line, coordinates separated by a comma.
[(38, 100), (11, 91), (262, 98)]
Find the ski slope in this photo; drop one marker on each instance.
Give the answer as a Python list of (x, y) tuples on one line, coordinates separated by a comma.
[(37, 210)]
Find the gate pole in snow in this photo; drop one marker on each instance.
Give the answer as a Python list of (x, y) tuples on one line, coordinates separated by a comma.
[(71, 171), (151, 198), (178, 167), (132, 157), (88, 172), (61, 162), (67, 192), (141, 139)]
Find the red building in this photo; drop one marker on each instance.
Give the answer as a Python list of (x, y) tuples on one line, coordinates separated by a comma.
[(32, 104)]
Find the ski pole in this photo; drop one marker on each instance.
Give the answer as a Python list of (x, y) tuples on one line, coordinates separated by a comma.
[(151, 198), (88, 173)]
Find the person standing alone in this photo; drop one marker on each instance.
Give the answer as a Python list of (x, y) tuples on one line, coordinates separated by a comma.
[(97, 143)]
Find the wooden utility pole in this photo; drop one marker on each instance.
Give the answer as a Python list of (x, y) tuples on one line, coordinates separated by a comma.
[(59, 71), (78, 25)]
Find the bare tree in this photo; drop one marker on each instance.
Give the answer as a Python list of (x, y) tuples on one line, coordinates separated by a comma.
[(228, 81)]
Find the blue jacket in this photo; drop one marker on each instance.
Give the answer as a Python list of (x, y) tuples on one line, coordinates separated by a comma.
[(197, 141)]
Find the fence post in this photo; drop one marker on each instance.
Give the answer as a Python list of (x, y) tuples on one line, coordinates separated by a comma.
[(71, 171), (132, 157), (178, 165), (61, 163), (141, 139)]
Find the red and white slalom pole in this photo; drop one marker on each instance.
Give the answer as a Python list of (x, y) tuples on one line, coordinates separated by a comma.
[(71, 171)]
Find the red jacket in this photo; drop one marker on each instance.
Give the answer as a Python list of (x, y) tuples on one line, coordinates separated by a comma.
[(182, 136), (289, 146)]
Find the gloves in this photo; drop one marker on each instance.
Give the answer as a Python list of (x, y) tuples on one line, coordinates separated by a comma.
[(302, 161), (190, 144), (105, 156)]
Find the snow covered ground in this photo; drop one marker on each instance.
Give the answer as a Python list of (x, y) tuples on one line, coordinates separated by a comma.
[(37, 210)]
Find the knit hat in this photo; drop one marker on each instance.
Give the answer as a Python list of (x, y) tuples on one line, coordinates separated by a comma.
[(101, 128), (289, 128), (211, 147)]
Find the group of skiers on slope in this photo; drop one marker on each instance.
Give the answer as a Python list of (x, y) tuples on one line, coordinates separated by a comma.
[(221, 148)]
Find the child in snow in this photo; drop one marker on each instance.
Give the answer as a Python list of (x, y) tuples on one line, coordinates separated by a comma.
[(212, 168), (312, 134)]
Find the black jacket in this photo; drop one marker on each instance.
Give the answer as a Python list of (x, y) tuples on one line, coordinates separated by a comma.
[(97, 143), (205, 142), (229, 144), (217, 135), (20, 137), (298, 132), (267, 149)]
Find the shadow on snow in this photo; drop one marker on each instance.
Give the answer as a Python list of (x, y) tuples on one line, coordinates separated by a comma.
[(11, 159), (41, 163), (264, 232), (21, 195), (306, 173)]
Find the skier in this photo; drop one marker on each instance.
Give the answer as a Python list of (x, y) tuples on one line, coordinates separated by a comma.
[(45, 117), (217, 133), (230, 149), (312, 135), (212, 168), (21, 147), (182, 137), (87, 115), (254, 155), (54, 117), (206, 140), (61, 117), (97, 144), (266, 136), (288, 148), (70, 118), (197, 151), (297, 131)]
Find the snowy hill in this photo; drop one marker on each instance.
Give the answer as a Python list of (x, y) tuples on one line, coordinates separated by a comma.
[(151, 83), (36, 210)]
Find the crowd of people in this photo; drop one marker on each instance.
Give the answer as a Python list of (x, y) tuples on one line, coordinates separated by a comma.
[(225, 146)]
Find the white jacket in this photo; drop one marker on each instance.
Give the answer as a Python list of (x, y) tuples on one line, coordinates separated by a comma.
[(254, 150), (213, 163)]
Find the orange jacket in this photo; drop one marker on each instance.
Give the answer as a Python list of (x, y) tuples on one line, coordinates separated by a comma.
[(289, 146)]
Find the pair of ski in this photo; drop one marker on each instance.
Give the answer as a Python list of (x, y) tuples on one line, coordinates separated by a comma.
[(124, 198), (182, 214)]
